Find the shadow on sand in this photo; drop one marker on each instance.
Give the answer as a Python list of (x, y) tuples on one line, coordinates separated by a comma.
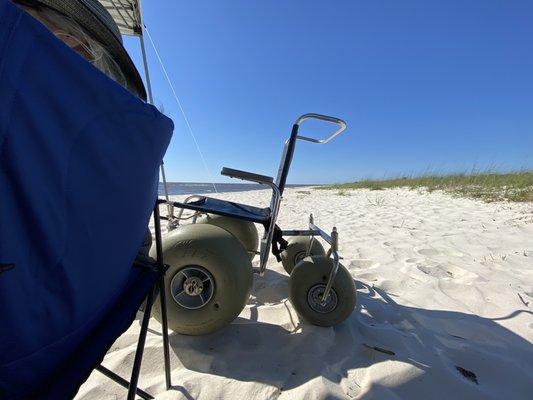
[(405, 351)]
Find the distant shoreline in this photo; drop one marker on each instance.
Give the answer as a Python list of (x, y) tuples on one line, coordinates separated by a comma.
[(184, 188)]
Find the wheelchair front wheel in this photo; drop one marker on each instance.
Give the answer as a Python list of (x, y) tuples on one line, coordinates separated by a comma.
[(297, 250), (306, 287)]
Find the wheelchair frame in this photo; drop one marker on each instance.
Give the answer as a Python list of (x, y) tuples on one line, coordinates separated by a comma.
[(266, 216)]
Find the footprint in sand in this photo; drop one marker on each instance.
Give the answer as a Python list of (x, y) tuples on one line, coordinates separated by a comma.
[(427, 252), (455, 253), (446, 271), (435, 272), (363, 264), (434, 252), (369, 277)]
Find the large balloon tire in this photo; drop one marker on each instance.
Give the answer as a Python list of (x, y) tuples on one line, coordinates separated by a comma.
[(244, 231), (308, 281), (297, 250), (221, 257)]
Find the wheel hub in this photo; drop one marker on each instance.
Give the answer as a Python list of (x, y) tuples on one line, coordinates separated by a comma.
[(316, 301), (192, 287), (299, 257)]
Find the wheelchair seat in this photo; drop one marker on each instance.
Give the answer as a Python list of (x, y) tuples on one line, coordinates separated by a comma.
[(227, 209)]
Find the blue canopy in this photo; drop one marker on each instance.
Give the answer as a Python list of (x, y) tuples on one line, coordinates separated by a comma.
[(79, 159)]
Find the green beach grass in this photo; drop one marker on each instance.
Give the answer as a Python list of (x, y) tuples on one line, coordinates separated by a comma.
[(489, 187)]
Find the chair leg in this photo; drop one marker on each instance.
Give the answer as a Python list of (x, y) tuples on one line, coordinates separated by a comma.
[(162, 294), (132, 389), (166, 345), (123, 382)]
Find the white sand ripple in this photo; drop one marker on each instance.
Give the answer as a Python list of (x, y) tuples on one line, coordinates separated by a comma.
[(445, 304)]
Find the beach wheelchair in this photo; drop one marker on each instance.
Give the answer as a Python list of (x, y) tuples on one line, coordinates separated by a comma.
[(210, 271)]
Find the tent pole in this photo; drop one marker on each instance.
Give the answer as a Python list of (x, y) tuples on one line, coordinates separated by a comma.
[(143, 51), (146, 72), (157, 222), (151, 101)]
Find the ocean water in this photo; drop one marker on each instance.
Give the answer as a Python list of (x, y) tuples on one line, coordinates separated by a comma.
[(177, 188)]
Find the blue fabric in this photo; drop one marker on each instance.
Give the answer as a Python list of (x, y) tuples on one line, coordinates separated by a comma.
[(79, 364), (79, 159)]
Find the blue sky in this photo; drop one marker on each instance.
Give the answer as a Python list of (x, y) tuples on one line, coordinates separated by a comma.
[(438, 86)]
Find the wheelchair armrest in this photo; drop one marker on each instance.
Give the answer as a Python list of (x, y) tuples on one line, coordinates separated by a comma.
[(246, 176)]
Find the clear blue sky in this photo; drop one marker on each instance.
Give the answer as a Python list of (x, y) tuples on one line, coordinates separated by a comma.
[(424, 85)]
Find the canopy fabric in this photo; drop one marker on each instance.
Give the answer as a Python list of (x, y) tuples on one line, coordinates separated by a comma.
[(79, 158), (127, 15)]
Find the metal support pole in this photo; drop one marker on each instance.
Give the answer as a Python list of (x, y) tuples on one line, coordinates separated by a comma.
[(266, 241), (336, 262), (170, 210), (145, 65), (310, 246), (162, 293), (157, 225)]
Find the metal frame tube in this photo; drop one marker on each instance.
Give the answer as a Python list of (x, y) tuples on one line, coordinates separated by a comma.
[(321, 233), (298, 232), (170, 209), (336, 262), (157, 225), (162, 294), (134, 380), (327, 118), (145, 65), (310, 246), (267, 238), (189, 198), (123, 382)]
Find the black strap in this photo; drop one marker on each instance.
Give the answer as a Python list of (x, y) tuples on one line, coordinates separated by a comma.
[(278, 243), (144, 261)]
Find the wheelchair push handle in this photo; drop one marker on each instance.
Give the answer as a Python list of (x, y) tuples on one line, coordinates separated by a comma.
[(337, 121)]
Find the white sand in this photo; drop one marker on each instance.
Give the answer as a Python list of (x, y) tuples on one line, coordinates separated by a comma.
[(441, 282)]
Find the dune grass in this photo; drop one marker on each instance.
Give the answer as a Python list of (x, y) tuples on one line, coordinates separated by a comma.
[(489, 187)]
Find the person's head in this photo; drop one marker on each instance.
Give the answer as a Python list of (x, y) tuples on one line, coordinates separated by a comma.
[(67, 29)]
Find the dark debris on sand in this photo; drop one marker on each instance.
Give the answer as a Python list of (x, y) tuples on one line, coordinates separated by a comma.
[(467, 374)]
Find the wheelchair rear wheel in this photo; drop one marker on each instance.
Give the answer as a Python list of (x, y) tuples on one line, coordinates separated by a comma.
[(244, 231), (209, 279)]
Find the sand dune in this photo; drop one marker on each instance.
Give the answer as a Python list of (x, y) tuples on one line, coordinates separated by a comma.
[(445, 304)]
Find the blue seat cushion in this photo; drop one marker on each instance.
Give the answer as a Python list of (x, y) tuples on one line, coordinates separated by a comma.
[(228, 209)]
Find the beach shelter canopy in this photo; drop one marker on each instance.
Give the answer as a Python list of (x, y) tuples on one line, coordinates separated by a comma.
[(127, 15), (79, 158)]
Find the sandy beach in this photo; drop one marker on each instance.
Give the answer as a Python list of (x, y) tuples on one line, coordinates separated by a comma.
[(444, 310)]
